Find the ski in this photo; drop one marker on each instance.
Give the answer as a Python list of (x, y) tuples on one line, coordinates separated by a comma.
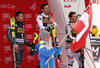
[(12, 23)]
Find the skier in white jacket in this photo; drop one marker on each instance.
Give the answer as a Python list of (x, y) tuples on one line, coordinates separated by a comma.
[(44, 21)]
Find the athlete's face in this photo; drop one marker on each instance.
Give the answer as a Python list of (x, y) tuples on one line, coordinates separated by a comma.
[(47, 39), (73, 18), (20, 18), (45, 10)]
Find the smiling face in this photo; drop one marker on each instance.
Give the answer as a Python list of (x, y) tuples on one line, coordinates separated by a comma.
[(45, 10)]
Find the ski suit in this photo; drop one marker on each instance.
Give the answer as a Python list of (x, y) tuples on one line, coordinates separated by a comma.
[(19, 40), (70, 54)]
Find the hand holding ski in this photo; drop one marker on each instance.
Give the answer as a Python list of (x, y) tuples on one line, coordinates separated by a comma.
[(16, 47), (35, 35)]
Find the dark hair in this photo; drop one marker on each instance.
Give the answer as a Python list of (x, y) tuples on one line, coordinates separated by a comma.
[(70, 14), (41, 12), (17, 13), (42, 6)]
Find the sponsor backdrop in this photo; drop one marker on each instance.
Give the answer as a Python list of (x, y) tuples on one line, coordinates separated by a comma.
[(63, 7), (31, 9), (95, 42), (67, 6)]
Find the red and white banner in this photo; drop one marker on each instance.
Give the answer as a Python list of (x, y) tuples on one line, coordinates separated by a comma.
[(87, 2), (82, 28)]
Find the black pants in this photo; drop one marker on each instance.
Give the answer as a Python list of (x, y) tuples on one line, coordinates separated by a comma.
[(19, 54)]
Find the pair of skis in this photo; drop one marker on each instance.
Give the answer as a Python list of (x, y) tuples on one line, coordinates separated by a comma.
[(12, 23), (55, 42)]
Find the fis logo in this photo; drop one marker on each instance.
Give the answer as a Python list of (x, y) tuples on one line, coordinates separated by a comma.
[(33, 6)]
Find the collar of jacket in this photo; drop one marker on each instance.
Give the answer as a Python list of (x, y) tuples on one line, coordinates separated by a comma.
[(19, 23), (44, 41), (44, 15), (70, 22)]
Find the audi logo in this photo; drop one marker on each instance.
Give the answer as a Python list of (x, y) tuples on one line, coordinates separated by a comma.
[(28, 15), (70, 0), (6, 15)]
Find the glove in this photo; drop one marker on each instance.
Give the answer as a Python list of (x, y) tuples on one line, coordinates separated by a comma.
[(31, 44), (31, 51), (50, 26), (78, 51), (55, 41)]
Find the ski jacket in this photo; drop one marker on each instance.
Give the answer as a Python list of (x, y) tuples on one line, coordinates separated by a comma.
[(72, 33), (19, 35), (45, 51), (43, 20)]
